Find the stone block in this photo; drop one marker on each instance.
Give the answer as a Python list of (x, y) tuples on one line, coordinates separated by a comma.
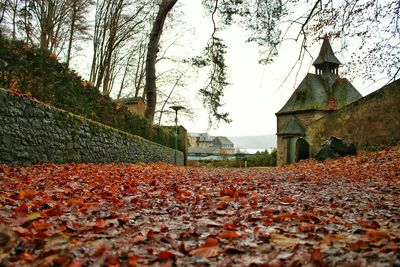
[(335, 147)]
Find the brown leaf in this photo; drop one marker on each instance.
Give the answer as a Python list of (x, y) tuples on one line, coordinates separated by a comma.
[(210, 242), (206, 252)]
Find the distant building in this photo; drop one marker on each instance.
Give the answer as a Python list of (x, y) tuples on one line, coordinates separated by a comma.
[(135, 105), (223, 143), (202, 145)]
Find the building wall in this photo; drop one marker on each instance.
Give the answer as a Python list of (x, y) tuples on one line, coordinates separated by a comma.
[(282, 146), (32, 132), (281, 152), (374, 119), (306, 117), (138, 108)]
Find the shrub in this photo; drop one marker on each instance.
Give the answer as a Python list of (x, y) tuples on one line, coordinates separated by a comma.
[(260, 159)]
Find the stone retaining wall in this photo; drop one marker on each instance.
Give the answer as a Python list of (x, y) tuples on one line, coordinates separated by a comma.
[(32, 132)]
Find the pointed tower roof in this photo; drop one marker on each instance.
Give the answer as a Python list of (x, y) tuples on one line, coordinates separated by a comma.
[(326, 54)]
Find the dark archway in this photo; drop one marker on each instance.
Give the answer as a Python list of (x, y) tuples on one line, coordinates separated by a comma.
[(302, 149)]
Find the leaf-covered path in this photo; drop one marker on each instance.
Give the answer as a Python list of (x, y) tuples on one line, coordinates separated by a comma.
[(341, 212)]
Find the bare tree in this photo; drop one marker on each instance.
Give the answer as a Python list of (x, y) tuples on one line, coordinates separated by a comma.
[(116, 23), (152, 49), (41, 22), (78, 24)]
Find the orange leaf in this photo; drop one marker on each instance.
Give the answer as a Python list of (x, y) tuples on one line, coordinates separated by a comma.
[(132, 261), (229, 235), (100, 223), (210, 242), (30, 193), (207, 252), (306, 227), (21, 194), (374, 235), (53, 56), (40, 225), (26, 256), (288, 200)]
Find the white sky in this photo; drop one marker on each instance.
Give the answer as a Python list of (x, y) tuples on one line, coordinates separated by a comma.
[(255, 93)]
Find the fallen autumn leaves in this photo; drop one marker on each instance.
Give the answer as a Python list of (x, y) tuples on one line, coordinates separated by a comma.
[(341, 212)]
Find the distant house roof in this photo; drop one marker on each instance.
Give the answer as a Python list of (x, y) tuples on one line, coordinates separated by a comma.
[(292, 127), (326, 54), (314, 91), (205, 137), (222, 140), (130, 100)]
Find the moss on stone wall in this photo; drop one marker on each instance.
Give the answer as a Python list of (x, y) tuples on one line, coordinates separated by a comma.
[(32, 133)]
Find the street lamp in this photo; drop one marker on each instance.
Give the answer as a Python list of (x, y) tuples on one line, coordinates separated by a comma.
[(176, 108)]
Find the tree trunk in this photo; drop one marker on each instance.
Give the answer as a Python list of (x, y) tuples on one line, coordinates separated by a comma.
[(152, 49), (14, 20), (71, 30)]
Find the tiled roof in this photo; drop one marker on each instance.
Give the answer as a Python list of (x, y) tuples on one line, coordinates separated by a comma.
[(314, 91), (222, 140)]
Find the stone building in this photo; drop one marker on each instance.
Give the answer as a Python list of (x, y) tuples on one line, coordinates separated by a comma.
[(203, 145), (317, 95)]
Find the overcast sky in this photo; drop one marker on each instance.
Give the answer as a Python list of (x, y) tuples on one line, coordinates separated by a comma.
[(255, 92)]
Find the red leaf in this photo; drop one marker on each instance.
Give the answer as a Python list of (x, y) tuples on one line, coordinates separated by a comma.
[(165, 255), (112, 260), (222, 205), (99, 251), (23, 207)]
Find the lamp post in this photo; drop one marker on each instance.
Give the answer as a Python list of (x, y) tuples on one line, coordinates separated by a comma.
[(176, 108)]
